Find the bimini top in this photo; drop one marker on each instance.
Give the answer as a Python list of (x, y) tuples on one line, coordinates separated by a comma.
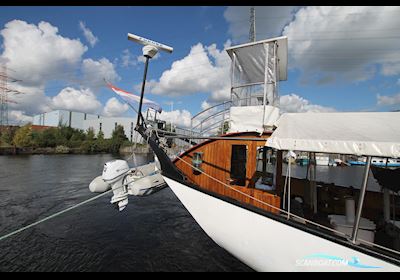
[(251, 58), (363, 133)]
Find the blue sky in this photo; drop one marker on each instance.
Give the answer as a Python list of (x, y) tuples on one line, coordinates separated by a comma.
[(340, 58)]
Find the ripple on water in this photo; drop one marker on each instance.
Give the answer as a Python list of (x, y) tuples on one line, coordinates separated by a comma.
[(154, 233)]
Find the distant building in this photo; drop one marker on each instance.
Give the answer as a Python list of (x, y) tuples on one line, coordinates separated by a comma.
[(107, 126), (63, 117), (85, 121)]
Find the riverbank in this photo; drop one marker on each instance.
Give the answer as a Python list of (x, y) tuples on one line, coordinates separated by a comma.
[(39, 151), (66, 150)]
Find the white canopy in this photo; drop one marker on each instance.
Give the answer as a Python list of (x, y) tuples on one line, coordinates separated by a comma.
[(250, 59), (363, 133), (250, 118)]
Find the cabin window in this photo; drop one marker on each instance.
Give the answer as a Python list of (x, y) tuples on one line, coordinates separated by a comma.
[(266, 161), (238, 164)]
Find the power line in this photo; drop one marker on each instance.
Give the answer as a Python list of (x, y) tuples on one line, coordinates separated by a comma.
[(4, 91)]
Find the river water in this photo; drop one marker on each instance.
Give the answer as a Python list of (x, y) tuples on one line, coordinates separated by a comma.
[(154, 233)]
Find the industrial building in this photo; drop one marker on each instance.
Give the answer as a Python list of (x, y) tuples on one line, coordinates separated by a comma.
[(107, 126), (63, 117), (86, 121)]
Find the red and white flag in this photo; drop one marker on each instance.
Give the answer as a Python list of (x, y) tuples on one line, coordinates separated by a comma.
[(129, 97)]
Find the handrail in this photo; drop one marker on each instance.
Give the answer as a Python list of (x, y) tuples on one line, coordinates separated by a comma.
[(223, 110), (223, 103), (212, 126), (210, 117), (209, 108)]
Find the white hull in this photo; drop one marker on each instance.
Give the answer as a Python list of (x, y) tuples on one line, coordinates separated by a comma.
[(263, 243)]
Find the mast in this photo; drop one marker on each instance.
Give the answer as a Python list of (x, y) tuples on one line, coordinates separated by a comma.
[(252, 33)]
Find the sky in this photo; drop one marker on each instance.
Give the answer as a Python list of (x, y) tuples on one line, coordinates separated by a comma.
[(341, 58)]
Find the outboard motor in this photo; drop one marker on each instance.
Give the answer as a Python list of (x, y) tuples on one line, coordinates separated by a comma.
[(114, 174), (123, 181)]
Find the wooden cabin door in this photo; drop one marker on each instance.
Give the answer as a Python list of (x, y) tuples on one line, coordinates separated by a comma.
[(238, 165)]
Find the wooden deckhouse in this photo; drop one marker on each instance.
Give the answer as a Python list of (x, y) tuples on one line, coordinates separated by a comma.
[(243, 163)]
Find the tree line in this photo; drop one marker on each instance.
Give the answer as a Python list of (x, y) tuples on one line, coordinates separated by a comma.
[(64, 138)]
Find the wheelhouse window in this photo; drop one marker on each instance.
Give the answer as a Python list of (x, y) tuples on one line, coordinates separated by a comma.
[(238, 165)]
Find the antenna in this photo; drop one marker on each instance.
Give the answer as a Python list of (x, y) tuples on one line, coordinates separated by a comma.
[(150, 49), (252, 33), (146, 42)]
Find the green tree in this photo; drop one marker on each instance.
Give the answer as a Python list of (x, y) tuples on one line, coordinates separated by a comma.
[(7, 136), (100, 135), (64, 135), (90, 134), (117, 139), (51, 137), (36, 139), (23, 136), (78, 136), (102, 145), (87, 146)]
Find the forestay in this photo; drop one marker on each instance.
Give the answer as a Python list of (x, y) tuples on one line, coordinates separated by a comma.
[(360, 133)]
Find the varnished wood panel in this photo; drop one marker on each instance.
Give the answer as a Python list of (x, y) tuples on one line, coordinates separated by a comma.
[(216, 163)]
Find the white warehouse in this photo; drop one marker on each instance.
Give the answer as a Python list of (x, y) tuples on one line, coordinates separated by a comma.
[(63, 117), (107, 126), (85, 121)]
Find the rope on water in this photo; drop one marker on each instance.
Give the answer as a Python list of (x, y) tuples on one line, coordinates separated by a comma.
[(54, 215)]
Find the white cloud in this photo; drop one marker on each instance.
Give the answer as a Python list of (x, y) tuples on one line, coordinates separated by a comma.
[(82, 100), (344, 42), (92, 40), (114, 108), (351, 43), (204, 69), (292, 103), (270, 21), (95, 71), (180, 118), (385, 100), (128, 59), (205, 105), (31, 101), (38, 53), (18, 117), (391, 68)]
